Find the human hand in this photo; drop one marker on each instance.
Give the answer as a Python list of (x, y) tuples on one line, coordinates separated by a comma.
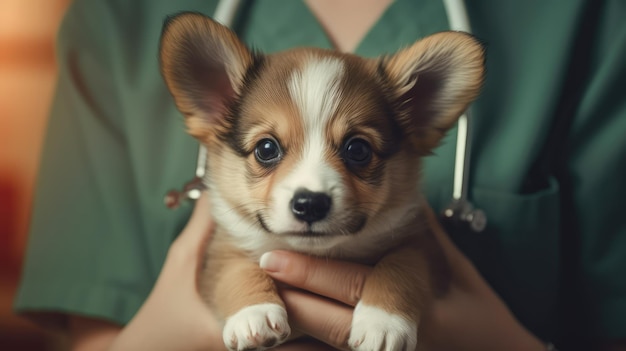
[(322, 299), (174, 316), (468, 316)]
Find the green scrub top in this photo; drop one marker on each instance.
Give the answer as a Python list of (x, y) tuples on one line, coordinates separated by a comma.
[(548, 158)]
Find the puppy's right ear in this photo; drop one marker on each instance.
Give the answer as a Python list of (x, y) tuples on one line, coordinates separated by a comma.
[(204, 65)]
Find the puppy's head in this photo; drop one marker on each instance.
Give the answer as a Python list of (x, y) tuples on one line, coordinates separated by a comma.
[(311, 147)]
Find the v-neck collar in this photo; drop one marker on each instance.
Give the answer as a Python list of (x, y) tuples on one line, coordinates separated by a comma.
[(279, 25), (401, 24), (330, 38)]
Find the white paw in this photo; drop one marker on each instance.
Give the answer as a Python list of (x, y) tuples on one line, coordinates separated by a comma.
[(374, 329), (256, 327)]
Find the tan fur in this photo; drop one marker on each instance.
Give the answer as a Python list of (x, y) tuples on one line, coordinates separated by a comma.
[(453, 51), (231, 281), (188, 31), (401, 105), (404, 280)]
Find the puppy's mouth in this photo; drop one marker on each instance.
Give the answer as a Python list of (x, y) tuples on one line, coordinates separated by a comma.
[(348, 225)]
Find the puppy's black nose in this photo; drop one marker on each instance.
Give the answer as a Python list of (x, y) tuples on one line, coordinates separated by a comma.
[(310, 206)]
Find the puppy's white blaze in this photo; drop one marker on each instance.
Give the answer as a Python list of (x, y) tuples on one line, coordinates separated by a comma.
[(254, 326), (374, 328), (312, 171), (316, 91)]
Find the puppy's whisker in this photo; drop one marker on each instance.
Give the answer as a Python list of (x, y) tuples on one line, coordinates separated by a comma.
[(243, 215)]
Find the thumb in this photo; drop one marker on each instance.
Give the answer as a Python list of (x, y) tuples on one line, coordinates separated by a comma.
[(191, 243)]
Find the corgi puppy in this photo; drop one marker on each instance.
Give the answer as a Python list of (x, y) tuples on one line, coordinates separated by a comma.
[(318, 152)]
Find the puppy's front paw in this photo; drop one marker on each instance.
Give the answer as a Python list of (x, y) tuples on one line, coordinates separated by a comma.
[(256, 327), (374, 329)]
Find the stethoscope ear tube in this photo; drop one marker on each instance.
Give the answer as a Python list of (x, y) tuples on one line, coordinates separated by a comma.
[(460, 214), (225, 14)]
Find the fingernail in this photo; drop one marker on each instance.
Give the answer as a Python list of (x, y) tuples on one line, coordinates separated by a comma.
[(272, 262)]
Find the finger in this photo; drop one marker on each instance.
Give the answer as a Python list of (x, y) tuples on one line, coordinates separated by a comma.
[(320, 318), (338, 280)]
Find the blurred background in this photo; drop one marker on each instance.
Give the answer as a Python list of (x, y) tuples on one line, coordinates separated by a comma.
[(27, 75)]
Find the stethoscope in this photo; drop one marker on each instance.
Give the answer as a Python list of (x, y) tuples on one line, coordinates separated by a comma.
[(459, 214)]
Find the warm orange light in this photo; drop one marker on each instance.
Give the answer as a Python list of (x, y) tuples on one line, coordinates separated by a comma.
[(27, 74)]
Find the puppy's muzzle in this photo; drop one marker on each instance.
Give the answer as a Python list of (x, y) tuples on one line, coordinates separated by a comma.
[(308, 206)]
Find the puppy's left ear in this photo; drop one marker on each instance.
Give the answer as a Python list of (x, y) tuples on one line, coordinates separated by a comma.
[(433, 82), (204, 65)]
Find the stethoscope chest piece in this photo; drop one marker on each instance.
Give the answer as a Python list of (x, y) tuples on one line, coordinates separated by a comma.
[(191, 191), (461, 215)]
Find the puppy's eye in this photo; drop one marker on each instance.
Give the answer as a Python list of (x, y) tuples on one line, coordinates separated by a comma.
[(357, 152), (267, 151)]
